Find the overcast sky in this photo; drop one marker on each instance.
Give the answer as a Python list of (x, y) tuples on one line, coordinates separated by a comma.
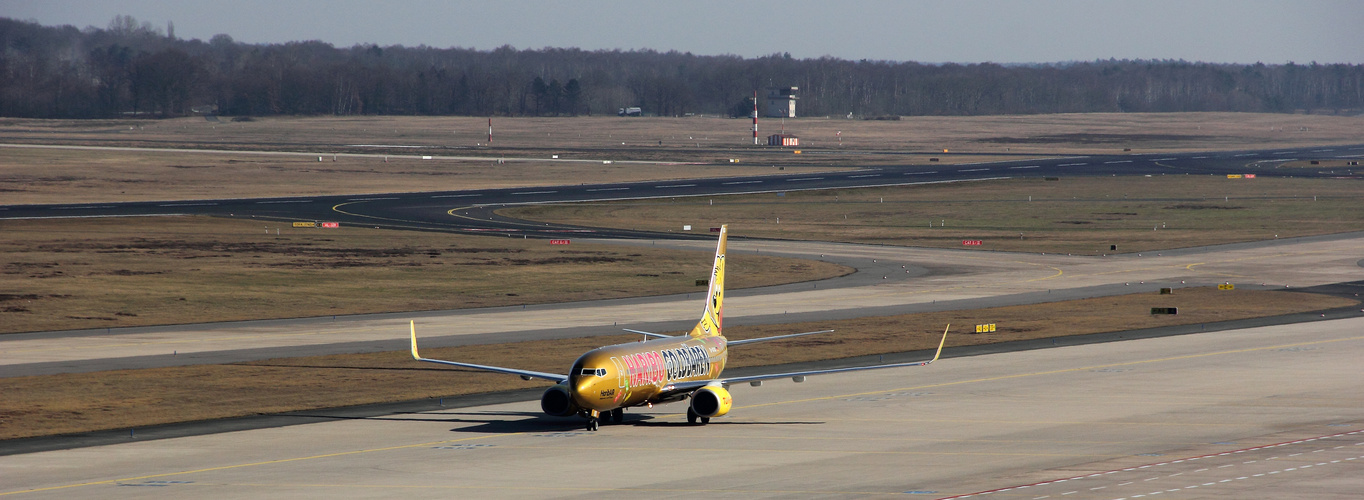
[(964, 31)]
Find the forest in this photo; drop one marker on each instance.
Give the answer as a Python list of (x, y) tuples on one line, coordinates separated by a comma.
[(134, 69)]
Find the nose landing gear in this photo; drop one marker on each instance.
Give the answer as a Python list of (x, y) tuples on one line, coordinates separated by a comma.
[(594, 418)]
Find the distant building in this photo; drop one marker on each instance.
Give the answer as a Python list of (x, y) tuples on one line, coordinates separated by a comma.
[(631, 111), (781, 102), (783, 140)]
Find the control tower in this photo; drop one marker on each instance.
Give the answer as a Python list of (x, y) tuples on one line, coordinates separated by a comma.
[(781, 102)]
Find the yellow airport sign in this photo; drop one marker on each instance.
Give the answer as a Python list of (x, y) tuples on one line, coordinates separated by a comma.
[(1226, 286), (1233, 176), (986, 328), (305, 224)]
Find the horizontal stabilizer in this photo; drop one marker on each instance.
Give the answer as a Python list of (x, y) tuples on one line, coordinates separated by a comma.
[(649, 334)]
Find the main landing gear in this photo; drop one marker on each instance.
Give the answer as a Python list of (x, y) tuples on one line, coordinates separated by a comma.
[(594, 418), (692, 417)]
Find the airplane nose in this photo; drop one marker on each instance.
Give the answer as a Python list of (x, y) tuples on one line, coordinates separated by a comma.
[(582, 385)]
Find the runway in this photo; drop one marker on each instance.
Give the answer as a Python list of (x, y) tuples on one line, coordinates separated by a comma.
[(446, 208), (1267, 412)]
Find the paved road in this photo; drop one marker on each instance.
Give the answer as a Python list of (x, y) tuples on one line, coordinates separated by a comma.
[(1272, 412), (455, 210)]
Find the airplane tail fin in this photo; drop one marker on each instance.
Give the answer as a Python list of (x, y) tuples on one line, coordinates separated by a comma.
[(709, 326)]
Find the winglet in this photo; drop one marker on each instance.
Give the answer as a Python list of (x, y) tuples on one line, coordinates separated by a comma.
[(414, 340), (935, 356)]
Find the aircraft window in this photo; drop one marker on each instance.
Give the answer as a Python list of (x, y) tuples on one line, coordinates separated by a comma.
[(601, 372), (589, 371)]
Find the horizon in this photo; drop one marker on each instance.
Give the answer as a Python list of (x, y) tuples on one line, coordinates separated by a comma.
[(963, 33)]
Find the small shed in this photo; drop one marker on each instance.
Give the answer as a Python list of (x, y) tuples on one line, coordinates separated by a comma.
[(783, 140)]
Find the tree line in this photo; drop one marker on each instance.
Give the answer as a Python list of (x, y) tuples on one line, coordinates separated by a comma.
[(132, 68)]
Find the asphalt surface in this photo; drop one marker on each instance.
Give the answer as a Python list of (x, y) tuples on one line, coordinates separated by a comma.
[(471, 211), (116, 436), (1264, 412)]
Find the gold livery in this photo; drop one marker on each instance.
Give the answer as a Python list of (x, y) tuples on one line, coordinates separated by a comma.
[(605, 381)]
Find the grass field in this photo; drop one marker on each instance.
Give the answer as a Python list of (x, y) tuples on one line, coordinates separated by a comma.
[(687, 147), (1085, 132), (96, 273), (34, 176), (1080, 215), (67, 403)]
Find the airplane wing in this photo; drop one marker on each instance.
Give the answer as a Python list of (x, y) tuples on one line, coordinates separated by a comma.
[(800, 376), (525, 374), (778, 337)]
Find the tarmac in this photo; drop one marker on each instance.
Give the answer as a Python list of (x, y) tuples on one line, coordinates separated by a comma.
[(1263, 412)]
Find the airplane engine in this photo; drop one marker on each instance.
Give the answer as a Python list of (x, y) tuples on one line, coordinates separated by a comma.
[(558, 401), (711, 401)]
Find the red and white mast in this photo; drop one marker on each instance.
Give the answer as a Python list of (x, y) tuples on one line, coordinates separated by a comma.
[(755, 118)]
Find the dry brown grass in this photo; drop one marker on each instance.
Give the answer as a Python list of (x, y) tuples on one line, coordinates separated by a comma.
[(1044, 134), (1080, 215), (36, 176), (695, 147), (95, 273), (56, 404)]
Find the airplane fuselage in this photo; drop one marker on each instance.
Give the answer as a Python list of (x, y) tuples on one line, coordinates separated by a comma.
[(638, 373)]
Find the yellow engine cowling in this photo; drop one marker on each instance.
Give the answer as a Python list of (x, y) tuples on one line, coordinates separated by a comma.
[(558, 401), (711, 401)]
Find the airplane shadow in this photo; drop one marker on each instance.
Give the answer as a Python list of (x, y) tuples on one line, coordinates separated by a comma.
[(541, 423), (716, 422), (533, 422)]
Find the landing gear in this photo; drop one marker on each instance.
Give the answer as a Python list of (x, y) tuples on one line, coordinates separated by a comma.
[(593, 421), (692, 417), (617, 415)]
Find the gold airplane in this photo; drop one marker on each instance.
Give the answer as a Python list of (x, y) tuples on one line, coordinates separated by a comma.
[(606, 380)]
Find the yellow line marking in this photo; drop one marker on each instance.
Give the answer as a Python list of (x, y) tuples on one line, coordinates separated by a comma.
[(549, 488), (944, 384), (115, 342), (253, 464), (337, 208), (1053, 372), (840, 452), (1058, 274)]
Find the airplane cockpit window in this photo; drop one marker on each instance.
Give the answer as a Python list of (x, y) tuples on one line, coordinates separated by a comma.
[(600, 372), (589, 371)]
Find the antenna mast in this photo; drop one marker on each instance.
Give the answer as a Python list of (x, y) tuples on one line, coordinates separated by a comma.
[(755, 118)]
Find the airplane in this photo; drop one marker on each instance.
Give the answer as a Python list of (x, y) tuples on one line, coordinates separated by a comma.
[(665, 369)]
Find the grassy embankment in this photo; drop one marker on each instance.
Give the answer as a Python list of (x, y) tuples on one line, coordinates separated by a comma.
[(1080, 215), (54, 404), (96, 273)]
